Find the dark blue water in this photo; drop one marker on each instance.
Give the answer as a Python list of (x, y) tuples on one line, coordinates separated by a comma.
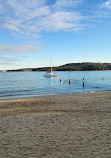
[(24, 84)]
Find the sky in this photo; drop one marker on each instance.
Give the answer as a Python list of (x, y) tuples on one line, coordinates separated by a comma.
[(69, 31)]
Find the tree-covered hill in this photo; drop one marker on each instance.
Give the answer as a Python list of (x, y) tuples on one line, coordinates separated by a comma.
[(87, 66)]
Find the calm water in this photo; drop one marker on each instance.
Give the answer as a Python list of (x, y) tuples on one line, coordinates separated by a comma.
[(24, 84)]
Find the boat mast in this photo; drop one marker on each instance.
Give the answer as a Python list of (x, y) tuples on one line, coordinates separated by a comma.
[(51, 64)]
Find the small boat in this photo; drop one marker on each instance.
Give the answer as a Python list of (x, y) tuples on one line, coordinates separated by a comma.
[(50, 73)]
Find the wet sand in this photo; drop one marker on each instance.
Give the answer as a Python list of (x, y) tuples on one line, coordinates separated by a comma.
[(58, 126)]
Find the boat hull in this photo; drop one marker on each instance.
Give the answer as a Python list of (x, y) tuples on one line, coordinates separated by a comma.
[(50, 75)]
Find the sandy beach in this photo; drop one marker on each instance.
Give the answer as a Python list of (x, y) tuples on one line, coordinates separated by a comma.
[(56, 126)]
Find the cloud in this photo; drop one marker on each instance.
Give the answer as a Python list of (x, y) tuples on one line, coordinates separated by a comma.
[(103, 10), (31, 17), (10, 48), (8, 61), (66, 3), (5, 59), (106, 4), (61, 21)]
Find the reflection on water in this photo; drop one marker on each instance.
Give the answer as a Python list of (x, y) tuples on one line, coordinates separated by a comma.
[(51, 82), (22, 84)]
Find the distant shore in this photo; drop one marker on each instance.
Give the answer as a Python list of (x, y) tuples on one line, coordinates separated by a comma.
[(84, 66), (65, 125)]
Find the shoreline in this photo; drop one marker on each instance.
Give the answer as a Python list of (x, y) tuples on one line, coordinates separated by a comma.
[(67, 125), (50, 102), (34, 96)]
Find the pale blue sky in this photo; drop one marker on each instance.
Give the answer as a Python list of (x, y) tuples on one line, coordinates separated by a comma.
[(68, 30)]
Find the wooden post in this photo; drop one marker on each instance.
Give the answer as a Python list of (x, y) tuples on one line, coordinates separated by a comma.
[(69, 81), (83, 81), (60, 79)]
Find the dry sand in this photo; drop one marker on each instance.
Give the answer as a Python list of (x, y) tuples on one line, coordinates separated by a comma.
[(57, 126)]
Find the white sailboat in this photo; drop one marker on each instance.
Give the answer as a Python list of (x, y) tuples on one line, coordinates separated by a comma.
[(50, 73)]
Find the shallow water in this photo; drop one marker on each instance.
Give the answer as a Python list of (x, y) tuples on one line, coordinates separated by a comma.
[(24, 84)]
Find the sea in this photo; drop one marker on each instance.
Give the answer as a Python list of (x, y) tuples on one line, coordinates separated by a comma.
[(29, 84)]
